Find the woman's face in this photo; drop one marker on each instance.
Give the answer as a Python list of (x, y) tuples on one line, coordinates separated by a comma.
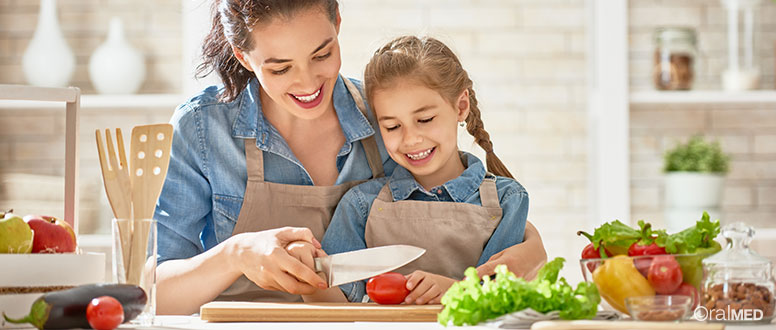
[(297, 61), (419, 129)]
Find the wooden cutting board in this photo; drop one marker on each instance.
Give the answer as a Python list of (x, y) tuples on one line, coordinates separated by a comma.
[(232, 311), (625, 325)]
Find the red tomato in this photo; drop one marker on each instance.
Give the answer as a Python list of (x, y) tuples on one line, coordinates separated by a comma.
[(664, 275), (104, 313), (636, 249), (590, 252), (642, 264), (387, 289), (685, 289)]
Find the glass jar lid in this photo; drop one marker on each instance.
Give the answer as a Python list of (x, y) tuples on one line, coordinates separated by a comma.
[(675, 34), (737, 252)]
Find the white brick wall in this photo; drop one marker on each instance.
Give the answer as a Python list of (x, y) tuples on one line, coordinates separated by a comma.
[(527, 58)]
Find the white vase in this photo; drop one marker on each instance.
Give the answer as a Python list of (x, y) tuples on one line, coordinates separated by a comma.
[(116, 67), (48, 61), (688, 195)]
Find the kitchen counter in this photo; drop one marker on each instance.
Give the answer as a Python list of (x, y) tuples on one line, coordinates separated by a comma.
[(194, 323), (180, 322)]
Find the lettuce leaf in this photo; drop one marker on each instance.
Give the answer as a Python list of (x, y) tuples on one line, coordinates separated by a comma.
[(690, 239), (471, 301)]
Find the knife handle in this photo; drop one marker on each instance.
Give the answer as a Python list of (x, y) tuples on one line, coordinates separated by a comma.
[(323, 269)]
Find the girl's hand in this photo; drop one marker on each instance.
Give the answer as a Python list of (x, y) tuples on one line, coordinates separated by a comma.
[(426, 288), (262, 257)]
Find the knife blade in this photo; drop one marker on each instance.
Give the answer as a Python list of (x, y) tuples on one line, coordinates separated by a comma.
[(357, 265)]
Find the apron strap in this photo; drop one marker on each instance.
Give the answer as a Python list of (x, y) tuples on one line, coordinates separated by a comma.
[(489, 192), (385, 194), (254, 161), (370, 146)]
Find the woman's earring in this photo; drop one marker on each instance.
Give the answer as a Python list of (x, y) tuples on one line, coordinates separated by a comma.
[(462, 124)]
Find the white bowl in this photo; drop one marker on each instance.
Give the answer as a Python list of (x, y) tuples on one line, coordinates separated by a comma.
[(44, 270)]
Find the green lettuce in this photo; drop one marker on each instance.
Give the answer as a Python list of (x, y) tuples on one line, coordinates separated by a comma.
[(471, 301), (689, 240)]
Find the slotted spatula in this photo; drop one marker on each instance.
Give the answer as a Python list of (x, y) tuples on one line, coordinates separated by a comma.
[(150, 156)]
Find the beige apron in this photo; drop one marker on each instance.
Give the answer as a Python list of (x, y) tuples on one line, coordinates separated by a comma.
[(453, 234), (268, 205)]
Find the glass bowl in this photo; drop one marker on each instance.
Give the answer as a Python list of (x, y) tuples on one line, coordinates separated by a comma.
[(620, 277), (659, 308)]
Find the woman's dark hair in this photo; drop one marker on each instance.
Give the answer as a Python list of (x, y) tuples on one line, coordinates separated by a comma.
[(232, 23)]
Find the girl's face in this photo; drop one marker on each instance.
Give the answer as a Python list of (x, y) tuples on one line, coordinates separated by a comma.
[(419, 129), (297, 61)]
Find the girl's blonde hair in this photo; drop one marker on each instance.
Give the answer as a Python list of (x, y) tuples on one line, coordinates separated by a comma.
[(432, 63)]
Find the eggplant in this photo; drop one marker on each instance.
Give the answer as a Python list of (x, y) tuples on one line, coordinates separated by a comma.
[(66, 309)]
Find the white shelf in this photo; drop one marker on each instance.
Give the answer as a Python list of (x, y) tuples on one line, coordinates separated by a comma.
[(702, 97), (98, 101)]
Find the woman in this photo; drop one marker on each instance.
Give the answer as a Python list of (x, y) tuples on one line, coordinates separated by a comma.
[(277, 146)]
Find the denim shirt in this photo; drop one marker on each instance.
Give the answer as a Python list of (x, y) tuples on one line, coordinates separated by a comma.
[(346, 231), (203, 192)]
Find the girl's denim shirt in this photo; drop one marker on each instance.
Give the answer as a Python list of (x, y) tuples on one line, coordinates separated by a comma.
[(346, 231), (203, 192)]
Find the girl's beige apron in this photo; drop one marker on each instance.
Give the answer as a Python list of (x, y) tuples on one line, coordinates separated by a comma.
[(453, 234), (268, 205)]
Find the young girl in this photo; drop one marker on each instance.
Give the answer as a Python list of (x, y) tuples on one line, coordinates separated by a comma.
[(439, 198)]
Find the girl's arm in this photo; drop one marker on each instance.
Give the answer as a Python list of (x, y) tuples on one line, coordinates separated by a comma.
[(346, 233), (515, 242), (523, 259)]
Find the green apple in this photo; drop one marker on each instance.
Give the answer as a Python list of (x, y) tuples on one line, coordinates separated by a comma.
[(15, 234)]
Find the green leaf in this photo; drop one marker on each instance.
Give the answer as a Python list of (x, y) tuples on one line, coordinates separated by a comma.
[(687, 241), (615, 233), (468, 302)]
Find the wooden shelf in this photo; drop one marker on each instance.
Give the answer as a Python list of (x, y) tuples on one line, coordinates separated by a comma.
[(702, 97), (98, 101)]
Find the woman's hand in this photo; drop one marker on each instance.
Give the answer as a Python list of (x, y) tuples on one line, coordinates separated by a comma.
[(262, 257), (523, 259), (426, 288)]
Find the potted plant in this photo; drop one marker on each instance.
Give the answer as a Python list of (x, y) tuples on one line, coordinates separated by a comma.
[(695, 173)]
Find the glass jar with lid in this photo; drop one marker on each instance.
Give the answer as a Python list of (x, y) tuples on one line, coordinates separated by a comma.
[(738, 284), (675, 57)]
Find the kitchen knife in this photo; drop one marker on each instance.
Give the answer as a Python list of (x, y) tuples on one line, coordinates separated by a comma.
[(357, 265)]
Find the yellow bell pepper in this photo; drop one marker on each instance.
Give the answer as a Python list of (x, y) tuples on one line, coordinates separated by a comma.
[(617, 278)]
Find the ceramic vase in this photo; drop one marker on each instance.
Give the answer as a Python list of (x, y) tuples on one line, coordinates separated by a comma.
[(688, 195), (116, 67), (48, 61)]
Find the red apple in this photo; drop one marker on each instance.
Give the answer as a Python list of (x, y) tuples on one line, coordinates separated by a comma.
[(52, 235)]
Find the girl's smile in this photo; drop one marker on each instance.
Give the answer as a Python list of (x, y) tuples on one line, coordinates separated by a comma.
[(420, 158)]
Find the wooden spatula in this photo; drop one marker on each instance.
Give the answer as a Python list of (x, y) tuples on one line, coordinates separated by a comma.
[(150, 156), (115, 177)]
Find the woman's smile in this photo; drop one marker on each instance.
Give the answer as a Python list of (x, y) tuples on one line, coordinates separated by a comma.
[(310, 100)]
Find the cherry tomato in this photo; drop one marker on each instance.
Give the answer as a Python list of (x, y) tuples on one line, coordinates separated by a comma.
[(664, 275), (104, 313), (590, 252), (686, 289), (387, 289), (636, 249)]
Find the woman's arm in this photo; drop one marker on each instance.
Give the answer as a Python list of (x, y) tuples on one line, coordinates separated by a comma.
[(185, 285), (523, 259)]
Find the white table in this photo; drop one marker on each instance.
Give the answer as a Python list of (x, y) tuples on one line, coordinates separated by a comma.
[(194, 323)]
